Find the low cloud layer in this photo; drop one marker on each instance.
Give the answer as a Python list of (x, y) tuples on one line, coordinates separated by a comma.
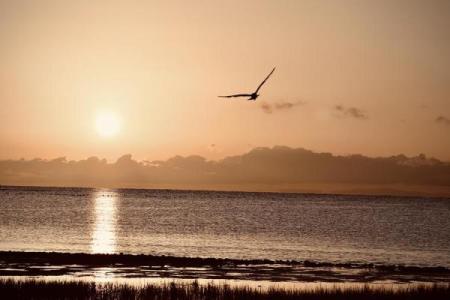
[(275, 169), (443, 120), (269, 108), (351, 112)]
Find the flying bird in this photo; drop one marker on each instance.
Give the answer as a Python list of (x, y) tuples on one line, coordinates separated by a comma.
[(253, 95)]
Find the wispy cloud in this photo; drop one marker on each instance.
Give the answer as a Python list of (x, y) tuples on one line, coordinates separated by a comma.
[(352, 112), (266, 107), (443, 120), (269, 108)]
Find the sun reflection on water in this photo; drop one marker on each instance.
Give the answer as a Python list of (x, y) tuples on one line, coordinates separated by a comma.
[(104, 227)]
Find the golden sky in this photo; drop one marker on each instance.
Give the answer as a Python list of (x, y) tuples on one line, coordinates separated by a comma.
[(369, 77)]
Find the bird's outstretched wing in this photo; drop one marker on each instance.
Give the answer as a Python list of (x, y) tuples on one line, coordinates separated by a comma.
[(237, 95), (260, 85)]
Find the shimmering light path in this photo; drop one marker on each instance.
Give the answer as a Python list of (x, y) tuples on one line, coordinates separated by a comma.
[(104, 228)]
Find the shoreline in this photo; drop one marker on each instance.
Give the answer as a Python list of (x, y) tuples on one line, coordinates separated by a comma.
[(26, 264), (319, 192)]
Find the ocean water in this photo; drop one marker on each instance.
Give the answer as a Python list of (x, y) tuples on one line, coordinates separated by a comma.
[(325, 228)]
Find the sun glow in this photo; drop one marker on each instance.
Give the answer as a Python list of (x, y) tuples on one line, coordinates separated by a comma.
[(107, 124)]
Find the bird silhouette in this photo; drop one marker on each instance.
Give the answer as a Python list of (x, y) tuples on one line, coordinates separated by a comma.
[(253, 95)]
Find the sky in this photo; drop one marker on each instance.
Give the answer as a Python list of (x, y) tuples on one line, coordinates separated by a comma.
[(367, 77)]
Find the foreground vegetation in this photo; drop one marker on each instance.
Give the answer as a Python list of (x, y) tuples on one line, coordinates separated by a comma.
[(34, 289)]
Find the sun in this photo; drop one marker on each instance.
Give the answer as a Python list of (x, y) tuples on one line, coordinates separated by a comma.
[(107, 124)]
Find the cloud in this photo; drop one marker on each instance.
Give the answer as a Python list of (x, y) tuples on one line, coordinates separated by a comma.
[(266, 107), (443, 120), (279, 106), (271, 167), (352, 112)]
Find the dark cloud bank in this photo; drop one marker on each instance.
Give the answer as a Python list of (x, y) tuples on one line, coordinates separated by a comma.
[(262, 169)]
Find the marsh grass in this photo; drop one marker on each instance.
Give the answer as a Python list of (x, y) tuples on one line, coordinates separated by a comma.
[(37, 289)]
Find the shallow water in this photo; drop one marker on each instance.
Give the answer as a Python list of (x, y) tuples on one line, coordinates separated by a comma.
[(330, 228)]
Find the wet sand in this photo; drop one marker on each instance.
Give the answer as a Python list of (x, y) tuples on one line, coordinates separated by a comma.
[(78, 265)]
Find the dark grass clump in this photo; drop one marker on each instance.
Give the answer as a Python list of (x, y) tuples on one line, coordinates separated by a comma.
[(35, 289)]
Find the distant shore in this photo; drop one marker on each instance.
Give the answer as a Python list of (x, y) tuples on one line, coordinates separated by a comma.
[(17, 263)]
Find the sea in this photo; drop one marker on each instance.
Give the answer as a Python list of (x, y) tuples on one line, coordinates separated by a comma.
[(385, 230)]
